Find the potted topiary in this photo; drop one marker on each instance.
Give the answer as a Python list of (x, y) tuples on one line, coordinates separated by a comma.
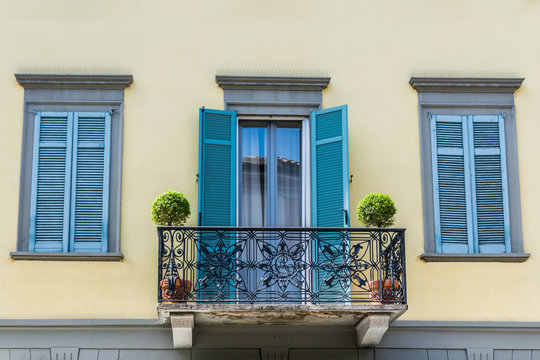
[(172, 209), (378, 210)]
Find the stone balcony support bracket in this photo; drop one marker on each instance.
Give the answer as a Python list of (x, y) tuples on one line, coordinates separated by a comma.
[(371, 329), (182, 330), (371, 321)]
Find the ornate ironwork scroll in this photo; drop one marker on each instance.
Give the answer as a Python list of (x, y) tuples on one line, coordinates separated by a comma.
[(281, 265)]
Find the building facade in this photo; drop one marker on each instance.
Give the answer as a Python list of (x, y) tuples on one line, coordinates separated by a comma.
[(280, 114)]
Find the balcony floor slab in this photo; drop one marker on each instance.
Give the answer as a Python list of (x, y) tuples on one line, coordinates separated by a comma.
[(278, 314)]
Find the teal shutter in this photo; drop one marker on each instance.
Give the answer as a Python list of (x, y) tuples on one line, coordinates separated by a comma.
[(217, 168), (330, 201), (90, 182), (217, 199), (51, 179), (490, 193), (470, 184), (451, 184), (330, 168)]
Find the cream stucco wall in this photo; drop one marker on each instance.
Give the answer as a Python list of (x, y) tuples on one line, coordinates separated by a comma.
[(175, 48)]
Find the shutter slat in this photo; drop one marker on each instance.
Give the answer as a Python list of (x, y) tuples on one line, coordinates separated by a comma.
[(217, 186), (330, 168), (491, 198), (330, 196), (451, 182), (91, 167), (51, 177), (217, 168)]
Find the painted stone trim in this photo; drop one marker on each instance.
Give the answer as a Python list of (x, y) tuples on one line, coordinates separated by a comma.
[(435, 257), (228, 82), (57, 81), (27, 255), (467, 84), (472, 96), (85, 323), (87, 93), (272, 95)]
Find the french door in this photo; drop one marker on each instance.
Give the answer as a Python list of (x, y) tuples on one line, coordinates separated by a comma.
[(272, 194)]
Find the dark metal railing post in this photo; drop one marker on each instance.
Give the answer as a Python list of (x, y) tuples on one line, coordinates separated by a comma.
[(403, 271), (160, 264), (382, 271)]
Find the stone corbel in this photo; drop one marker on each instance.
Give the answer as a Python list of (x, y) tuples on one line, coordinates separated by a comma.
[(371, 329), (182, 330)]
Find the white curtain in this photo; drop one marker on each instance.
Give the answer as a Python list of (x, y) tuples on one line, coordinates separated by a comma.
[(289, 177), (254, 172)]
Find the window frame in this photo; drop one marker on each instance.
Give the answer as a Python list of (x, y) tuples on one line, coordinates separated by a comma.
[(304, 159), (71, 93), (469, 96)]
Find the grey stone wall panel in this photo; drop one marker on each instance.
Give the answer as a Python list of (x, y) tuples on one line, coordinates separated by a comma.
[(155, 355), (88, 354), (437, 355), (522, 354), (323, 354), (456, 354), (108, 355), (401, 354), (366, 354), (226, 354), (20, 354), (40, 354)]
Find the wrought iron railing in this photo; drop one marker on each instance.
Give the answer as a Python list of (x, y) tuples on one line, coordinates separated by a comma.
[(281, 265)]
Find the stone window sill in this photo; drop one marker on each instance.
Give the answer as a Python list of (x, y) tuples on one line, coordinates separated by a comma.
[(55, 256), (435, 257)]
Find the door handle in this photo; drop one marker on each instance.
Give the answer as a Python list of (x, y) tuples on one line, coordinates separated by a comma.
[(346, 213)]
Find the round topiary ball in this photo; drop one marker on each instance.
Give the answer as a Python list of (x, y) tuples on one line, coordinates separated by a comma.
[(376, 210), (170, 208)]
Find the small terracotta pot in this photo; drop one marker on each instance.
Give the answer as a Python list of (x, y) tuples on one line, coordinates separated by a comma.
[(174, 290), (388, 291)]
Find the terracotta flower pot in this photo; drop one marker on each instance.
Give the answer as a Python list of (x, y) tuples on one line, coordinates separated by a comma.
[(174, 289), (388, 291)]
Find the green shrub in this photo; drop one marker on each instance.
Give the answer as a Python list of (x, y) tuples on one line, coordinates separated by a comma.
[(376, 210), (170, 208)]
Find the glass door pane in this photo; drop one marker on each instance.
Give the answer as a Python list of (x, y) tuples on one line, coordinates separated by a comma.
[(254, 176), (289, 177), (271, 195)]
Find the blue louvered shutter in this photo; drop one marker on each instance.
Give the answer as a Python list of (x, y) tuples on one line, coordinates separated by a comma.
[(490, 193), (451, 184), (217, 198), (90, 182), (51, 179), (217, 168), (330, 167), (330, 201)]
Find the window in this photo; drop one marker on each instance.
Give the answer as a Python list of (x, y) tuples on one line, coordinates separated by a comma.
[(70, 182), (271, 174), (273, 158), (71, 167), (470, 177)]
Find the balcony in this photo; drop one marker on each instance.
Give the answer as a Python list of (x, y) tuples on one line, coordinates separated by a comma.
[(281, 276)]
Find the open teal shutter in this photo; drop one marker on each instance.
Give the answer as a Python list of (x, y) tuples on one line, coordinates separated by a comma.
[(51, 179), (217, 168), (330, 201), (90, 184), (451, 184), (330, 167), (217, 199), (490, 193)]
